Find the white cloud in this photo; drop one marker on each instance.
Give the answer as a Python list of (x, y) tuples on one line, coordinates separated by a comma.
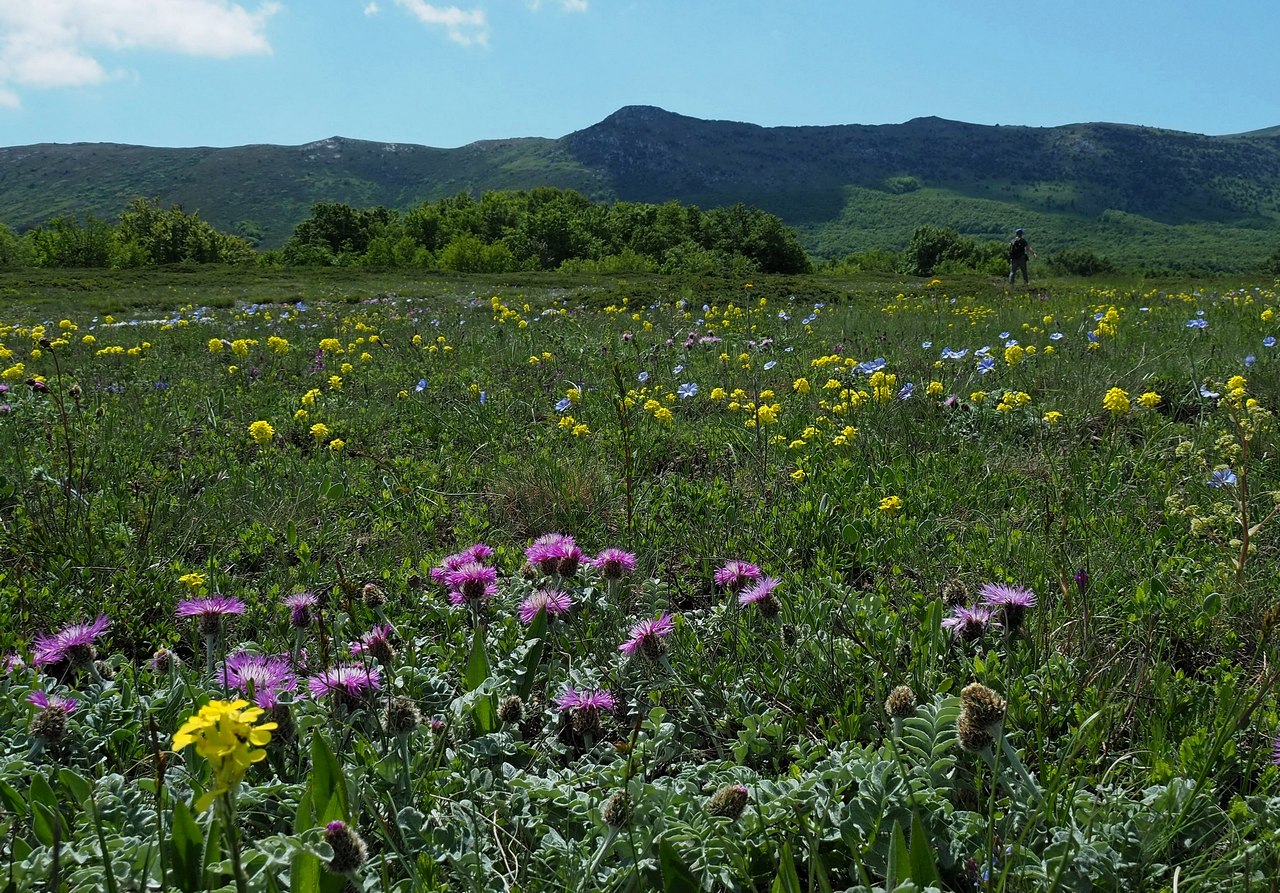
[(372, 9), (52, 43), (565, 5), (463, 26)]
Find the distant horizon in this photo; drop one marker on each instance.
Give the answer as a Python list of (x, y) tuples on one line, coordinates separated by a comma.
[(487, 139), (227, 73)]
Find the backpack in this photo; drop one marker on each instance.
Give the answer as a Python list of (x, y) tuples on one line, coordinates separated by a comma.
[(1018, 248)]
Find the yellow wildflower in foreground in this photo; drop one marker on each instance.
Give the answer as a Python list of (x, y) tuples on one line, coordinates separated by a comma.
[(261, 432), (336, 445), (891, 505), (1052, 418), (225, 734), (319, 430), (1149, 400), (192, 580), (1117, 401)]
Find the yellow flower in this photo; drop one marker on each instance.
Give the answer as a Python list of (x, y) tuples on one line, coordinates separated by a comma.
[(16, 372), (1116, 401), (215, 345), (301, 415), (1268, 315), (800, 385), (309, 398), (335, 382), (934, 389), (977, 396), (580, 430), (192, 580), (1052, 418), (798, 475), (319, 430), (337, 444), (1237, 383), (1013, 354), (346, 368), (278, 344), (67, 325), (718, 394), (262, 432), (662, 414), (229, 736), (366, 357), (1149, 400), (331, 345), (90, 340), (891, 505)]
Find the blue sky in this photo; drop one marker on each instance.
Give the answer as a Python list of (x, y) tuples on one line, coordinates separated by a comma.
[(222, 73)]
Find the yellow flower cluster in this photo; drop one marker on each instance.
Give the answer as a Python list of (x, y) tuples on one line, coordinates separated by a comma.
[(883, 387), (261, 432), (330, 345), (192, 580), (1149, 400), (228, 735), (278, 344), (1013, 354), (1117, 402), (1109, 324), (1012, 400), (891, 505)]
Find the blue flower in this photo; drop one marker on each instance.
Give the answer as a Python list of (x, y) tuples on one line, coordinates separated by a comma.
[(1093, 337), (926, 344), (1269, 341), (1056, 336), (769, 365), (484, 398), (1250, 360), (784, 316), (1223, 477), (809, 319), (1012, 342), (907, 390), (949, 354), (986, 364), (866, 368), (563, 403), (1197, 323), (1004, 335), (687, 390), (421, 385), (642, 377), (1208, 394)]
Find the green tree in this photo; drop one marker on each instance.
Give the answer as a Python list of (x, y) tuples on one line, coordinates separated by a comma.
[(64, 242)]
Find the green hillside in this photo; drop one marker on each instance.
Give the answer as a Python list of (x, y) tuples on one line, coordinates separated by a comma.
[(1141, 196)]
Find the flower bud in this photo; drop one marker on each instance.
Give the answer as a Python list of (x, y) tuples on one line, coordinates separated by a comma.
[(729, 801), (349, 851), (901, 702)]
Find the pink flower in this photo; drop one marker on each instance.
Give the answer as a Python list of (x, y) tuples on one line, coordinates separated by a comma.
[(553, 601), (614, 564), (734, 575), (647, 637)]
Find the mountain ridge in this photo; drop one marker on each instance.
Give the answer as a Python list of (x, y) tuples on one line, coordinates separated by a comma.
[(845, 187)]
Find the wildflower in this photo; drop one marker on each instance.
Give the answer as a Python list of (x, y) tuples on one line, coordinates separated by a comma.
[(210, 611), (729, 801), (718, 394), (614, 564), (192, 580), (1082, 579), (471, 583), (226, 734), (1223, 477), (337, 445), (350, 685), (377, 644), (553, 601), (319, 430), (259, 676), (215, 344), (648, 637), (1149, 400), (1116, 401), (555, 553), (584, 708), (1011, 601), (901, 702), (800, 386), (349, 850), (511, 710), (760, 594), (1052, 418), (261, 432), (987, 708), (72, 645), (934, 389), (163, 660), (1198, 324), (476, 554), (968, 623), (401, 716), (301, 607), (890, 506), (49, 725), (687, 390), (617, 809), (734, 575), (1269, 341)]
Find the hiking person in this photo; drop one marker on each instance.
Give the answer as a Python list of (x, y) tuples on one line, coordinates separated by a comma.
[(1019, 248)]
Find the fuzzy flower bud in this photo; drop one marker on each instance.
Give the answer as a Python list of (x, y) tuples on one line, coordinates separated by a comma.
[(729, 801), (512, 710), (617, 809), (901, 702), (349, 851), (401, 716)]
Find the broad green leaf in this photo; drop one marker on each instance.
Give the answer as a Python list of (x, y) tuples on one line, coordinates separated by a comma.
[(787, 879), (532, 660), (899, 868), (76, 783), (186, 850), (477, 663), (676, 876), (924, 869), (44, 820), (13, 801), (327, 779)]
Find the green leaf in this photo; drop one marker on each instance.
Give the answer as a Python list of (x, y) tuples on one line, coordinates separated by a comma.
[(42, 793), (13, 801), (477, 663), (76, 783), (44, 821), (537, 639), (676, 876), (899, 869), (212, 853), (924, 869), (787, 879), (304, 872), (327, 781), (186, 850)]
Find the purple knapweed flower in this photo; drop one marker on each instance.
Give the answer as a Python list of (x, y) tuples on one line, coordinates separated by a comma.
[(45, 702), (1082, 579), (1275, 753), (72, 645), (614, 564), (475, 554), (760, 594), (350, 685), (302, 608), (555, 553), (13, 663), (589, 699), (261, 677), (1011, 602), (734, 575), (210, 611), (968, 623), (471, 583), (377, 644), (648, 637), (553, 601)]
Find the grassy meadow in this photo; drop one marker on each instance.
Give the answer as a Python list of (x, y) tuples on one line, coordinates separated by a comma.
[(322, 582)]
